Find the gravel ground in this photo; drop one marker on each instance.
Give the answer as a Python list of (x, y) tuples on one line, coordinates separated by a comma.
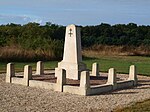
[(18, 98)]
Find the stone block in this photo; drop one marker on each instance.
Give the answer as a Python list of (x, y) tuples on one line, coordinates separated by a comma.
[(56, 71), (85, 83), (112, 79), (95, 69), (73, 70), (40, 68), (125, 84), (71, 89), (41, 84), (16, 80), (133, 74), (98, 89), (10, 72), (27, 74), (61, 79), (72, 46)]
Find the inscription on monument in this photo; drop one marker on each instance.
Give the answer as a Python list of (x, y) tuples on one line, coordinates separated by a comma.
[(70, 32)]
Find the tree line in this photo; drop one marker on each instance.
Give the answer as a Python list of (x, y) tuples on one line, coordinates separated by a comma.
[(49, 38), (119, 34), (34, 35)]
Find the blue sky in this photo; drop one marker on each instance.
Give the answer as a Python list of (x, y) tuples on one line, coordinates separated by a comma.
[(80, 12)]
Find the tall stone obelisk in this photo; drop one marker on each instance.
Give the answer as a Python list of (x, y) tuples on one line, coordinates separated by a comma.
[(72, 57)]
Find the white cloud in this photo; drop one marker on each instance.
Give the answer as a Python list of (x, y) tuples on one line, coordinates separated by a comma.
[(20, 19), (37, 20)]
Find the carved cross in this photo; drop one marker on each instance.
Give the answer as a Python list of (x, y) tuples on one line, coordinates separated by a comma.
[(70, 32)]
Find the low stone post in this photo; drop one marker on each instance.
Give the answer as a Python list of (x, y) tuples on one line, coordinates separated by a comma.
[(95, 69), (112, 79), (56, 71), (61, 79), (40, 68), (133, 74), (27, 74), (10, 72), (85, 83)]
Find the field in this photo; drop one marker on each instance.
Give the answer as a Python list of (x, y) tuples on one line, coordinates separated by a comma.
[(120, 63)]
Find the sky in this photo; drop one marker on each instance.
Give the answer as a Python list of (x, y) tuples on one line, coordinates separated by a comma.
[(79, 12)]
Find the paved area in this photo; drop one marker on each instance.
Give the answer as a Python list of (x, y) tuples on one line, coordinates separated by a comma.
[(18, 98)]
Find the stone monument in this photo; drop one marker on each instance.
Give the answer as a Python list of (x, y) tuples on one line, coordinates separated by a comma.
[(71, 67), (72, 57)]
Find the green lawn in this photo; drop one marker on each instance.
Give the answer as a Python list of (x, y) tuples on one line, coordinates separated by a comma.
[(120, 63), (20, 65)]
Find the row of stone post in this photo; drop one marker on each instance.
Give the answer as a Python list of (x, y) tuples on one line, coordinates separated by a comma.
[(10, 72), (61, 78), (112, 73), (112, 78), (85, 78), (84, 81)]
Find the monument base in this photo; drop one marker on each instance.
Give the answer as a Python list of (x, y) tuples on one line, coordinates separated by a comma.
[(73, 70)]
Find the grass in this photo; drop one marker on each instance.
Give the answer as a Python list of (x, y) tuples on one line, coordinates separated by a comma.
[(20, 65), (121, 63), (17, 53), (137, 107)]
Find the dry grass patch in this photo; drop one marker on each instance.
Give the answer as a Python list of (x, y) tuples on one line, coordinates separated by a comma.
[(143, 106), (118, 50)]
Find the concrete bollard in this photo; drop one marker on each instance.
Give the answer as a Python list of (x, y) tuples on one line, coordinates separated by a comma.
[(56, 71), (40, 68), (133, 74), (95, 69), (61, 79), (10, 72), (27, 74), (85, 83), (112, 79)]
